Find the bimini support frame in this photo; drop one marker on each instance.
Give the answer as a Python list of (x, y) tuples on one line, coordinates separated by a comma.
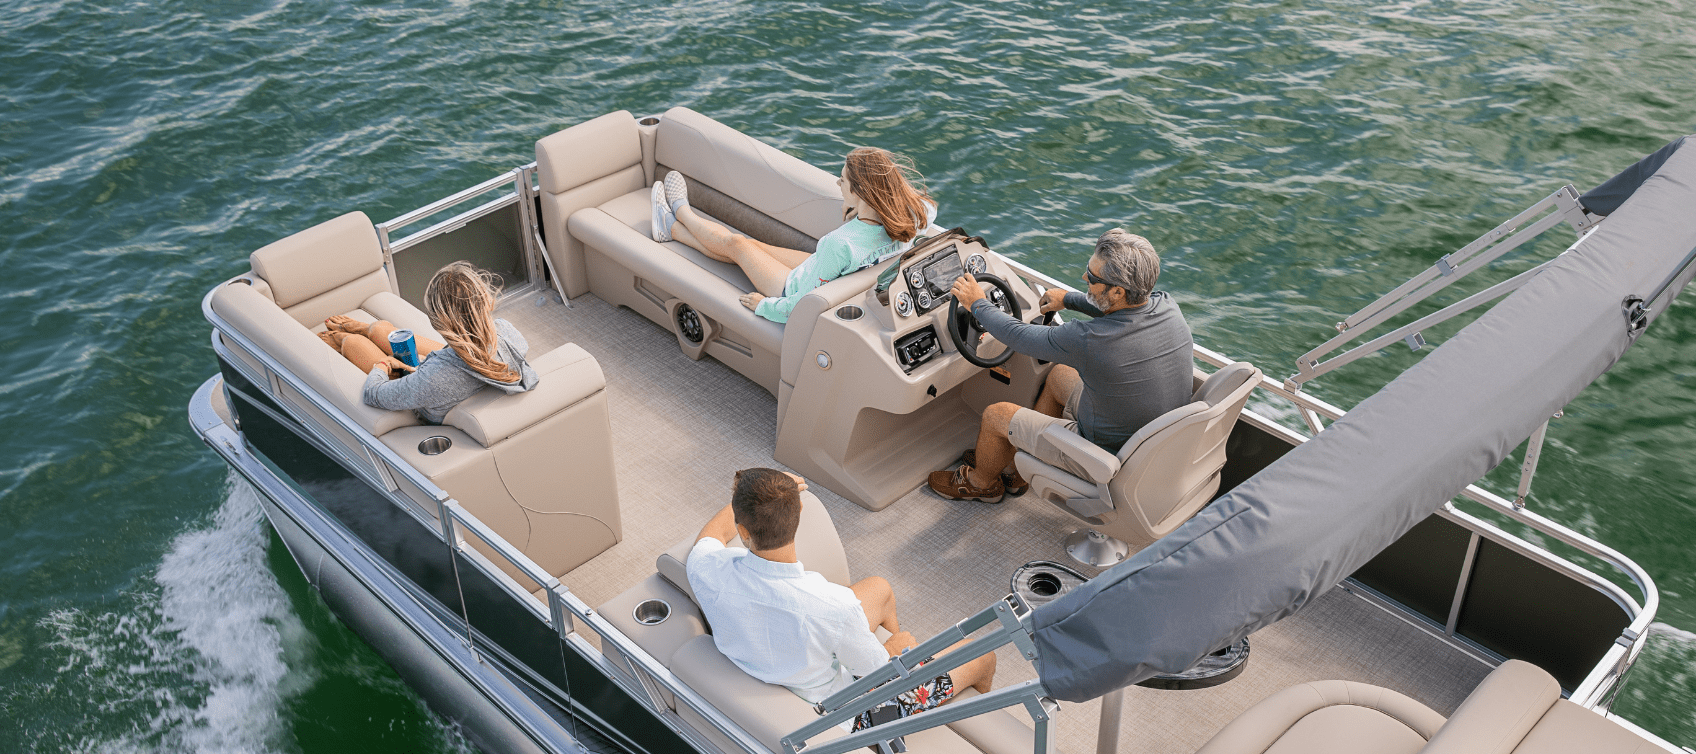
[(1009, 623), (1450, 268)]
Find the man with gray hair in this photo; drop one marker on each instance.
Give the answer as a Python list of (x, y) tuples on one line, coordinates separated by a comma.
[(1114, 373)]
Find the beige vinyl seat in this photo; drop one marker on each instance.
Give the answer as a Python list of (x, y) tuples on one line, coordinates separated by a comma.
[(1517, 709), (1161, 476), (535, 466), (683, 643), (595, 181)]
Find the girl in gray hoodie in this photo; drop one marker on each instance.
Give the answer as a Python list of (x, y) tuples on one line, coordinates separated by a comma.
[(480, 352)]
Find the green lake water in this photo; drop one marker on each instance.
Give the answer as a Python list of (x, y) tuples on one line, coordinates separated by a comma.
[(1291, 160)]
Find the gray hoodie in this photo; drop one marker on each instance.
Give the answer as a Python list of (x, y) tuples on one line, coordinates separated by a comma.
[(444, 379)]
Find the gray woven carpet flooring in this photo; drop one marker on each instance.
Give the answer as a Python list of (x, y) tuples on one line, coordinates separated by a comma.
[(681, 428)]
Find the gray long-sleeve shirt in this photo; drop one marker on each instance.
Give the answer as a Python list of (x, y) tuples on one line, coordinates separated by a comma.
[(444, 379), (1135, 363)]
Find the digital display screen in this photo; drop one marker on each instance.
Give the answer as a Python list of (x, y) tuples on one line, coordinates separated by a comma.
[(943, 270)]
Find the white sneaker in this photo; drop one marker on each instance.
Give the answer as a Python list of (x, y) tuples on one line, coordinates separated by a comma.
[(663, 217), (676, 191)]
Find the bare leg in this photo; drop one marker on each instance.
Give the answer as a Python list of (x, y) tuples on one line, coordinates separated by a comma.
[(762, 262), (878, 599), (378, 332), (995, 451), (1062, 380), (363, 353), (978, 674)]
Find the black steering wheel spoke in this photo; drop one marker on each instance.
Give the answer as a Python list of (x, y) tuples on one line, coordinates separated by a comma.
[(967, 333)]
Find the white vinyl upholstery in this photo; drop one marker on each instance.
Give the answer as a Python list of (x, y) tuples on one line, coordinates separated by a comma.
[(1161, 476)]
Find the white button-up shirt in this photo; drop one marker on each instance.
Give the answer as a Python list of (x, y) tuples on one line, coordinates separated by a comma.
[(781, 623)]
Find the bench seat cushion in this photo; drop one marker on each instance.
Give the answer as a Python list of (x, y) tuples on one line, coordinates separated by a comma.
[(632, 209), (1329, 717), (660, 264), (771, 712)]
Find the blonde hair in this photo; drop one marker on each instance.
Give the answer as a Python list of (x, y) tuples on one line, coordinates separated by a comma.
[(881, 178), (460, 300)]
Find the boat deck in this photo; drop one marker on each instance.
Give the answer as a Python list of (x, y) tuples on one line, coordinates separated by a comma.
[(681, 428)]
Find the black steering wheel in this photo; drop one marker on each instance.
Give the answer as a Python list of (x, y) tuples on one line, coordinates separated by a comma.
[(966, 332)]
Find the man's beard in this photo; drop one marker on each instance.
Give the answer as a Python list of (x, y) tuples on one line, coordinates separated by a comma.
[(1099, 302)]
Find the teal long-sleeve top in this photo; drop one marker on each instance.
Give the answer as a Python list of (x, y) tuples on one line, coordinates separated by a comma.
[(854, 245)]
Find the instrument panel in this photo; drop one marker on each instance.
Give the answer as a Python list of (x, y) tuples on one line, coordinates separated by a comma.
[(929, 278)]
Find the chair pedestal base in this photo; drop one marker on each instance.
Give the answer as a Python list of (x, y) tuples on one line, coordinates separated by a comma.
[(1092, 548)]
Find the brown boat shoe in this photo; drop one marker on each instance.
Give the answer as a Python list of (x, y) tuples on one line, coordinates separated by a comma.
[(1012, 481), (954, 485)]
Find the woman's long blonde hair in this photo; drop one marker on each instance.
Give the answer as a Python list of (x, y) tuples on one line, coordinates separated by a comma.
[(460, 300), (881, 178)]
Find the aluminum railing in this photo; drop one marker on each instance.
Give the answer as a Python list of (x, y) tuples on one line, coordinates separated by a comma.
[(1007, 624), (563, 607), (1605, 676)]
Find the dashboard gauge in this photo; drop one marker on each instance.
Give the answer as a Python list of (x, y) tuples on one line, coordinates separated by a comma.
[(903, 304), (924, 299), (915, 277), (975, 264)]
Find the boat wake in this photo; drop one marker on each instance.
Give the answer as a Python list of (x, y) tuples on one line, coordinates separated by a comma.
[(203, 663), (208, 662)]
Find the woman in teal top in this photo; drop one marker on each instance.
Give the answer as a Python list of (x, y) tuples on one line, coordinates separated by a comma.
[(884, 213)]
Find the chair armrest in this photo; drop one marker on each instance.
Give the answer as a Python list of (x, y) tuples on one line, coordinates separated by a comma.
[(1098, 465)]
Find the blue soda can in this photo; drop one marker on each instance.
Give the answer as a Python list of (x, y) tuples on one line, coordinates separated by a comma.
[(404, 346)]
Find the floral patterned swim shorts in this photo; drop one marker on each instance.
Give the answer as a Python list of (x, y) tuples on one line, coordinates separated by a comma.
[(928, 695)]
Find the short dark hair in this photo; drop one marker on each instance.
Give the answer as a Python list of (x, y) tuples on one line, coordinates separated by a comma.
[(767, 503)]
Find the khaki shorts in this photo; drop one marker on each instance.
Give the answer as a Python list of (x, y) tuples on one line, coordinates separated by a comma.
[(1027, 425)]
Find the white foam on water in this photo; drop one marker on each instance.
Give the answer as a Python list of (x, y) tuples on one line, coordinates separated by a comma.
[(202, 665)]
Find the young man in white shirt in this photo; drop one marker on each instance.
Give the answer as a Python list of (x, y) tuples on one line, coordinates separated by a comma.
[(785, 625)]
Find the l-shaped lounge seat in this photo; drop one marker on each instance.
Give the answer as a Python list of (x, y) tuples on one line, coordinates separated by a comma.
[(683, 643), (535, 466), (1517, 709), (595, 179)]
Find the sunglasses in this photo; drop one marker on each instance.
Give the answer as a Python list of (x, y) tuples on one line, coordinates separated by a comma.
[(1093, 278)]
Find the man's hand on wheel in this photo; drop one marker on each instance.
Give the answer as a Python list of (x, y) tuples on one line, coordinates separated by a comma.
[(967, 291)]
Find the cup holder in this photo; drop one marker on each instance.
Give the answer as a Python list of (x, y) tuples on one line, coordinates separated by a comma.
[(651, 612), (434, 445), (648, 121), (849, 313)]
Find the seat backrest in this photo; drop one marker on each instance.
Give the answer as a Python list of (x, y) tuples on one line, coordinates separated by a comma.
[(750, 171), (328, 269), (1170, 468), (817, 545), (1498, 714), (303, 354), (584, 166)]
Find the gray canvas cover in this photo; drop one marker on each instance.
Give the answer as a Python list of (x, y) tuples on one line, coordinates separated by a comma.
[(1303, 524)]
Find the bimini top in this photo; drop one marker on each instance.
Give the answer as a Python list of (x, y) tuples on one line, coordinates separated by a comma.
[(1285, 536)]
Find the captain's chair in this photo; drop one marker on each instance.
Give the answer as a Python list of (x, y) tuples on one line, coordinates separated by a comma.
[(1165, 473)]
